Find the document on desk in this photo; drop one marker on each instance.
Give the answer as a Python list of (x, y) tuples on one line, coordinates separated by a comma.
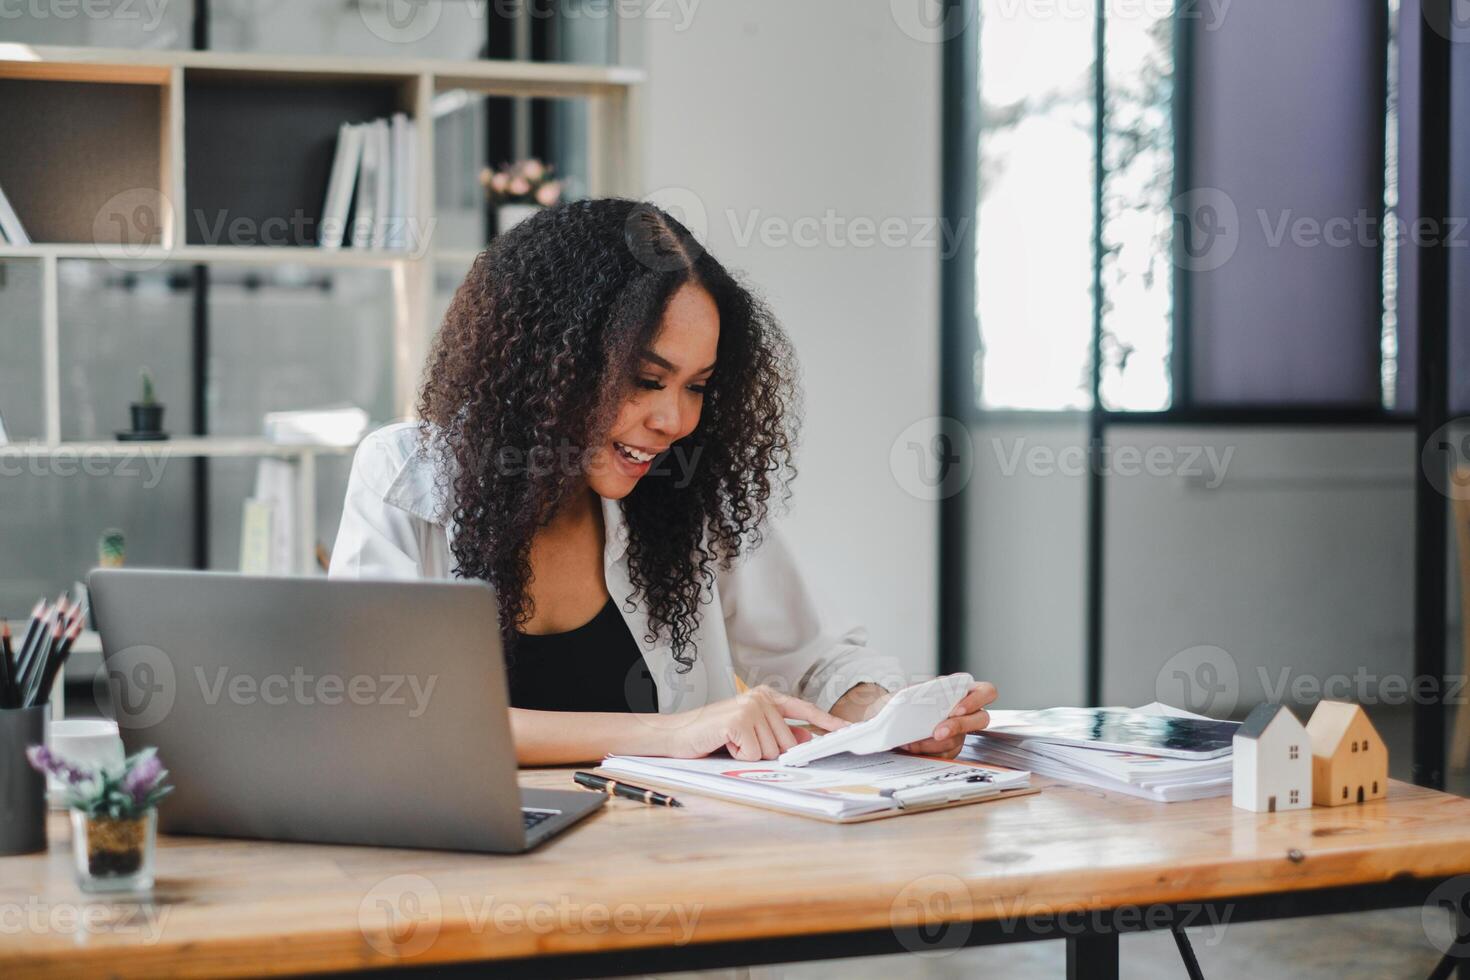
[(841, 788), (1009, 742)]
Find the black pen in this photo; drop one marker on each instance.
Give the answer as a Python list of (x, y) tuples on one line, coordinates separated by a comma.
[(626, 790)]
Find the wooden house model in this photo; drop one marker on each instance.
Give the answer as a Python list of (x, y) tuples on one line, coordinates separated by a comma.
[(1349, 759)]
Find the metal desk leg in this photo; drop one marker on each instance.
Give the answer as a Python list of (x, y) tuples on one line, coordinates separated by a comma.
[(1186, 953), (1456, 960), (1092, 956), (1462, 929)]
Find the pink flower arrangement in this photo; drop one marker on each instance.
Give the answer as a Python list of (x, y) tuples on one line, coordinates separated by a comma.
[(527, 182)]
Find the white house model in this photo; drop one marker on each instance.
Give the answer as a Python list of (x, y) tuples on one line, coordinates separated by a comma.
[(1272, 761)]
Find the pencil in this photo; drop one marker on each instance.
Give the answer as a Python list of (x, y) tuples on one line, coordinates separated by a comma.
[(58, 659), (31, 627), (33, 649), (45, 642), (8, 695), (41, 664)]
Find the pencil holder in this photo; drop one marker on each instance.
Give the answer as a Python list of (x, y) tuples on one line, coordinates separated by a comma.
[(22, 789)]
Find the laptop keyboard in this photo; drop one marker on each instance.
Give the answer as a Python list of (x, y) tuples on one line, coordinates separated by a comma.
[(531, 818)]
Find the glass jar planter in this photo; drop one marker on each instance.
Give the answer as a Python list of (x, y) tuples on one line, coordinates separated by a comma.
[(114, 855)]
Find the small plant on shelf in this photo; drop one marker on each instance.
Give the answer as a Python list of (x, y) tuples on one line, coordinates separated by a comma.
[(147, 413), (114, 817), (112, 548)]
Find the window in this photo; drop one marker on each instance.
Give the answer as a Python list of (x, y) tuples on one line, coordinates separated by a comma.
[(1296, 794), (1098, 209), (1375, 786), (1344, 792), (1355, 746), (1294, 752), (1039, 224)]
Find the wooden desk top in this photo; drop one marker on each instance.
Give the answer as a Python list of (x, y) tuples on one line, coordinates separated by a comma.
[(635, 876)]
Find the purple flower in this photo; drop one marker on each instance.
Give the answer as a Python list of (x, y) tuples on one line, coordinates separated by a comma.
[(44, 760), (143, 778)]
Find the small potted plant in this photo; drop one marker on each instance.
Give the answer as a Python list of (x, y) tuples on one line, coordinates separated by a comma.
[(519, 190), (114, 818), (147, 413), (112, 548)]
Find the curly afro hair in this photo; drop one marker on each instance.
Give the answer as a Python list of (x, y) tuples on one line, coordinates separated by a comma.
[(539, 349)]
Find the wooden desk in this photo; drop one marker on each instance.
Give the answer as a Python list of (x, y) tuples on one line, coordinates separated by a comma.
[(638, 889)]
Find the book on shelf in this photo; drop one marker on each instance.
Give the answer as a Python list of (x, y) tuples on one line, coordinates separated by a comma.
[(275, 490), (340, 186), (255, 537), (383, 187), (401, 173), (373, 179), (364, 212), (10, 224)]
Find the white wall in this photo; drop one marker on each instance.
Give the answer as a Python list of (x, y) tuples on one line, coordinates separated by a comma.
[(1298, 564), (1026, 577), (769, 110)]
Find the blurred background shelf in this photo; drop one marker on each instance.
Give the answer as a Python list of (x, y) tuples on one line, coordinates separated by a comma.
[(132, 66), (195, 447), (123, 255), (147, 180)]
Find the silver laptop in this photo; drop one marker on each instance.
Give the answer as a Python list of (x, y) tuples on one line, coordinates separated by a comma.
[(342, 712)]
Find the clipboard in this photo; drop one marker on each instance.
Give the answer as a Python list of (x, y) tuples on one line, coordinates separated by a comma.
[(672, 787)]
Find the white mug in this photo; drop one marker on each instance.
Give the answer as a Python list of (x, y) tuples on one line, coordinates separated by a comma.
[(87, 743)]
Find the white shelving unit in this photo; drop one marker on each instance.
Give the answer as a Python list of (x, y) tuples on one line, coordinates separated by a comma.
[(609, 91)]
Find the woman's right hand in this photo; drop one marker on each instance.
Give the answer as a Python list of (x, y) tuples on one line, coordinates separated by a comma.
[(751, 725)]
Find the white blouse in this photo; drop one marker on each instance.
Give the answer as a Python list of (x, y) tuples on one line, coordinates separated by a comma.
[(769, 630)]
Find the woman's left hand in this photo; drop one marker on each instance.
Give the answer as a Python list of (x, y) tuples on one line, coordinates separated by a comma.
[(968, 716)]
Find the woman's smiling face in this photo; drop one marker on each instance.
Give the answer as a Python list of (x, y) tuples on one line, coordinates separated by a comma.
[(667, 393)]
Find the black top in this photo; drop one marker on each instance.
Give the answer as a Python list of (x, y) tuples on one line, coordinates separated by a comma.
[(595, 667)]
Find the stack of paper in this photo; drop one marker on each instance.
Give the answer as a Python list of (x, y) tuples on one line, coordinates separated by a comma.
[(380, 160), (317, 427), (1024, 740), (840, 788)]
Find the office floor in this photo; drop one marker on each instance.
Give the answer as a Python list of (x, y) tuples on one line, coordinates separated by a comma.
[(1387, 945)]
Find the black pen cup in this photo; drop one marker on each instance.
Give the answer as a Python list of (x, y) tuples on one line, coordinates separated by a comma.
[(22, 789)]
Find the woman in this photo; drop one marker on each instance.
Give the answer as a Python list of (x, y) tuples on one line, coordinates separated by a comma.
[(606, 416)]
